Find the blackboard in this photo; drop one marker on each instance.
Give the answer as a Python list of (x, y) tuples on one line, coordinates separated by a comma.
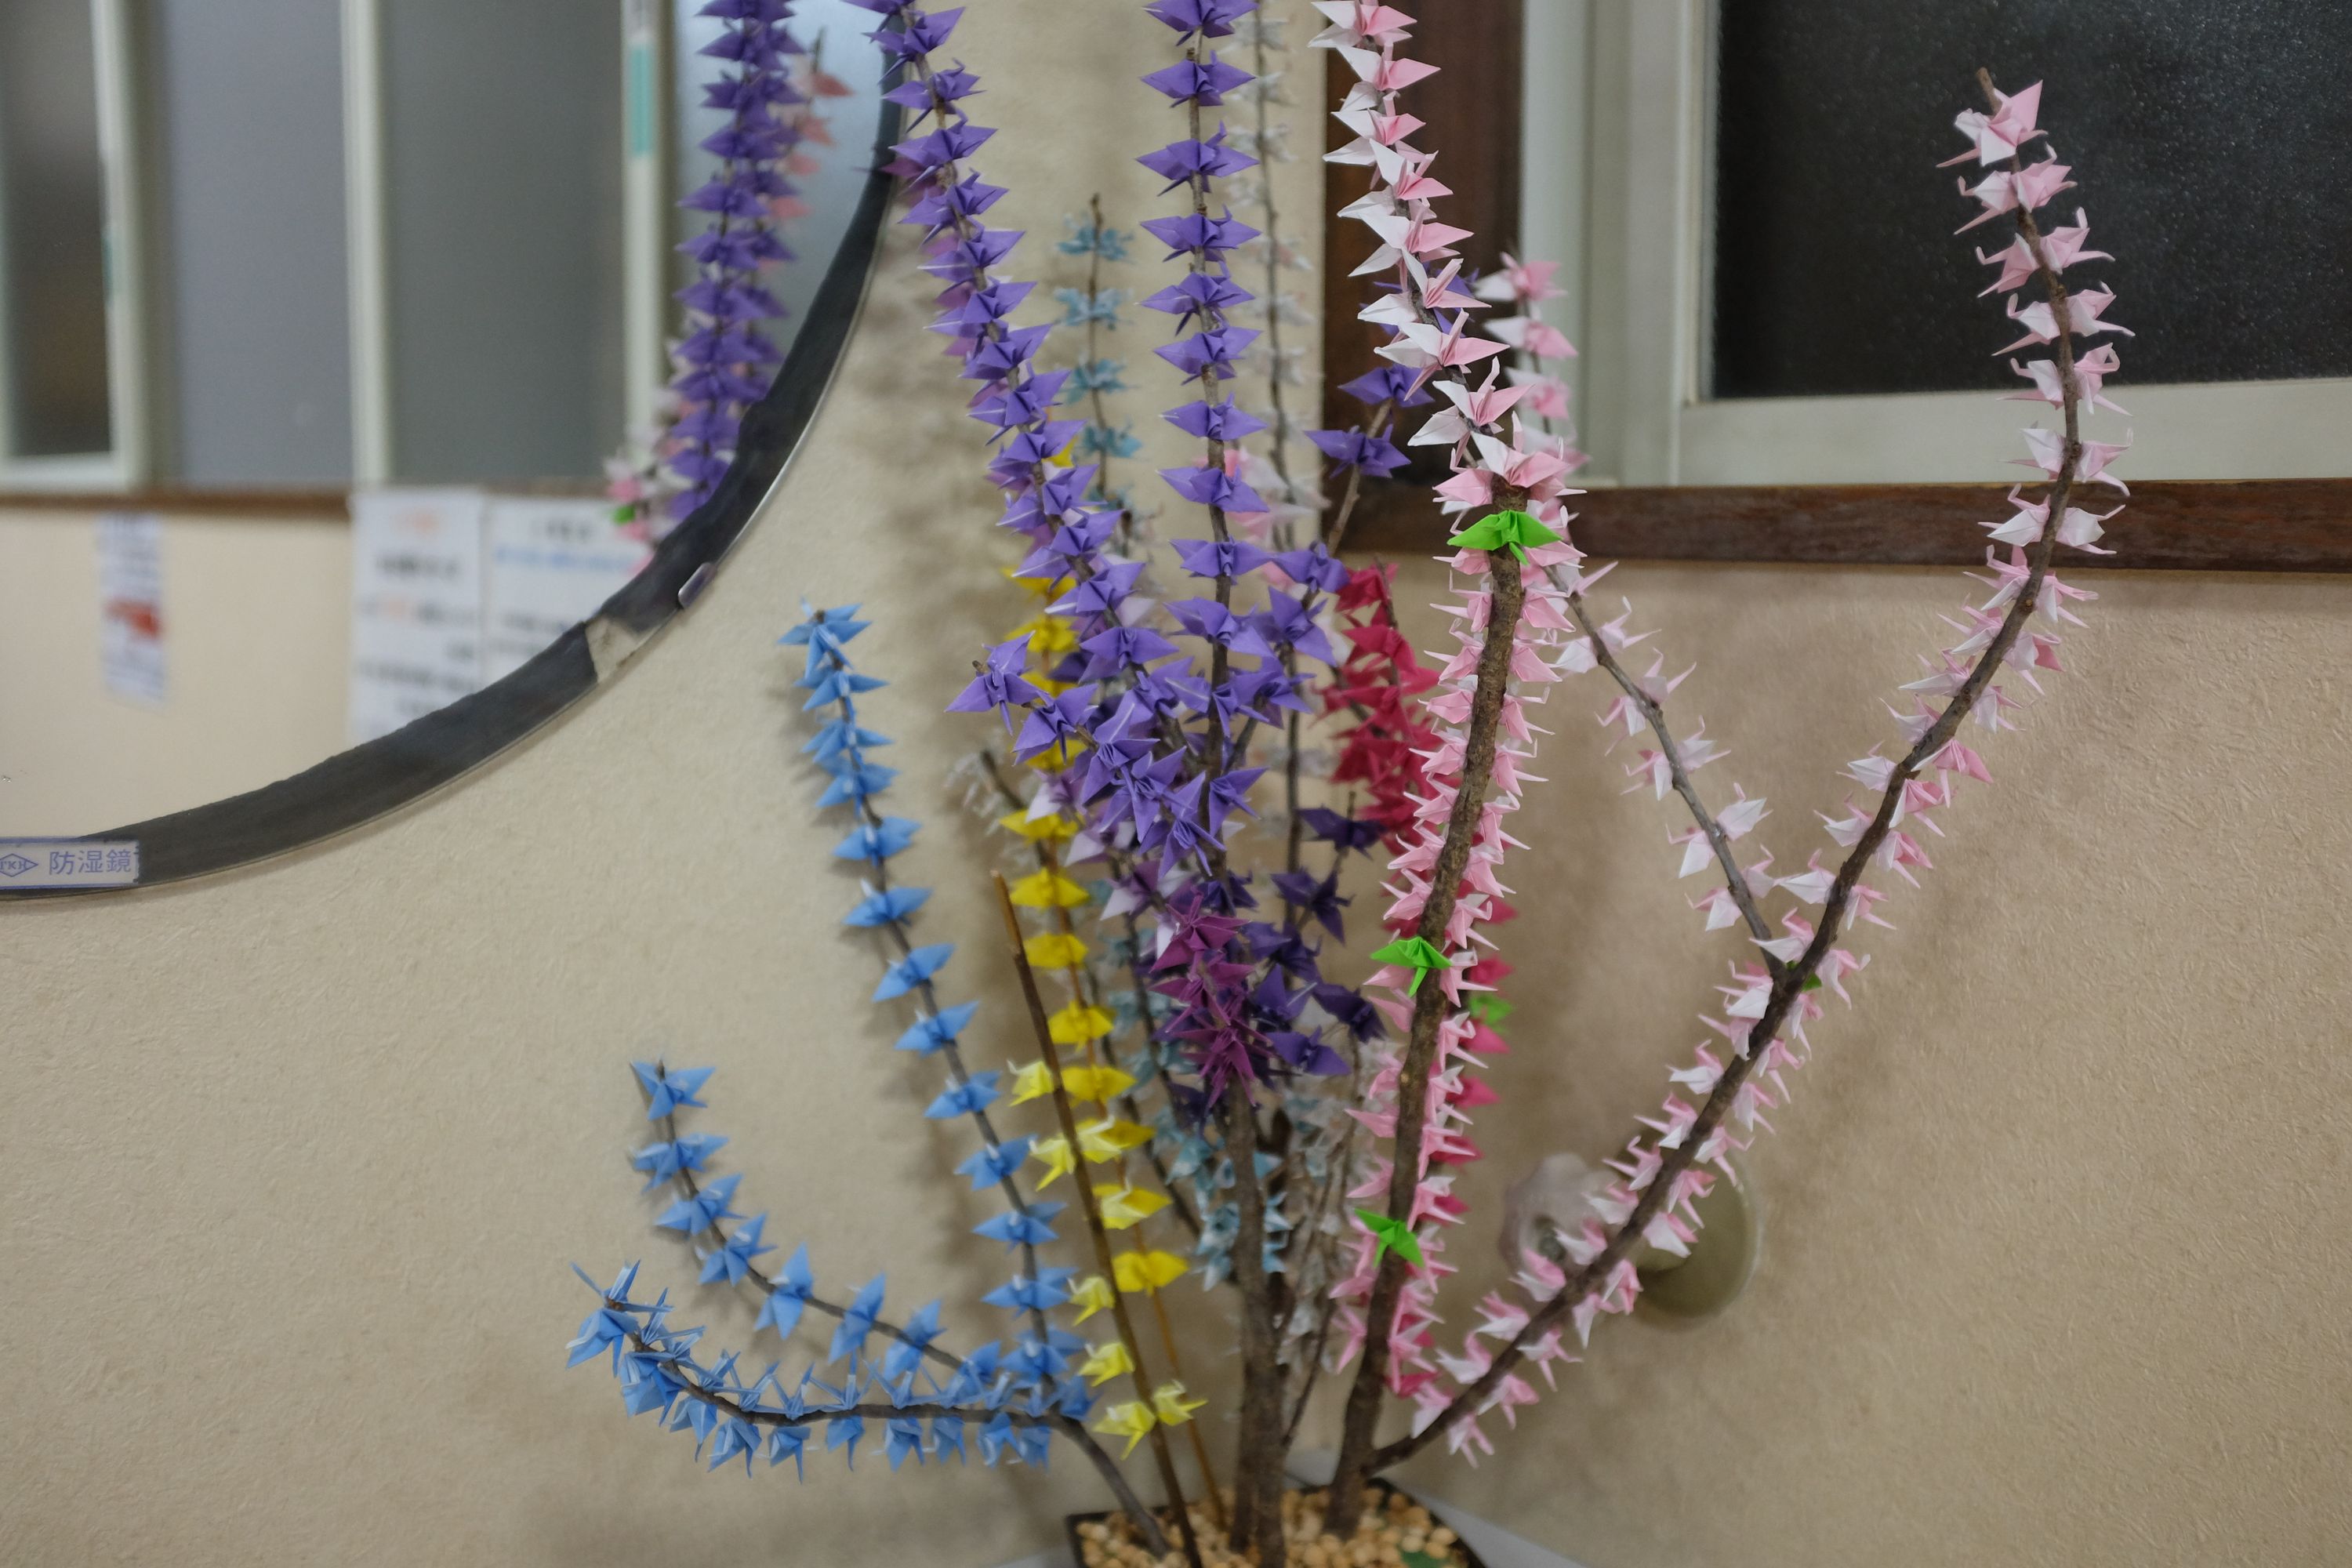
[(2211, 141)]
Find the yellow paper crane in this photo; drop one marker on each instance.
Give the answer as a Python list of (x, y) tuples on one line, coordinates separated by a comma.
[(1090, 1295), (1147, 1271), (1052, 825), (1110, 1138), (1077, 1022), (1130, 1420), (1042, 587), (1055, 950), (1168, 1403), (1047, 890), (1097, 1083), (1125, 1205), (1033, 1082), (1049, 635), (1106, 1362), (1054, 1154)]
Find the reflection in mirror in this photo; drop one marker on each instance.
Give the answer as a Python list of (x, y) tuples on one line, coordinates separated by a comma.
[(53, 394), (351, 354), (250, 353)]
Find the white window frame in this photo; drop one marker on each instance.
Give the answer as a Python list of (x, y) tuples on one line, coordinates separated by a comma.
[(129, 463), (646, 198), (1617, 155), (367, 256)]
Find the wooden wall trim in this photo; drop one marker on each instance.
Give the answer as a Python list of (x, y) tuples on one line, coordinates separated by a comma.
[(305, 505), (291, 504), (2238, 525)]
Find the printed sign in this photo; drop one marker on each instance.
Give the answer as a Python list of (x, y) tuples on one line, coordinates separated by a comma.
[(416, 604), (130, 605), (553, 563), (68, 863)]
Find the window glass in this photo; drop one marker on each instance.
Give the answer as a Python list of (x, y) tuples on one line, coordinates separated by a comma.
[(503, 213), (2213, 137), (253, 281), (52, 234)]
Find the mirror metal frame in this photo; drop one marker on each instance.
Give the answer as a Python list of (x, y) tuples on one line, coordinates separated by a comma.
[(377, 777)]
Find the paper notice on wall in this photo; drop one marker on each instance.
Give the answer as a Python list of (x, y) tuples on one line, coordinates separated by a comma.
[(416, 604), (553, 563), (130, 605)]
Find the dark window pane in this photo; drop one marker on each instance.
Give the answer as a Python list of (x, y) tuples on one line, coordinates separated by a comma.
[(502, 132), (52, 232), (2213, 142)]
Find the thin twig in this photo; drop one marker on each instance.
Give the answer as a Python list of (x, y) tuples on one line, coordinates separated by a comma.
[(1120, 1318), (766, 1285), (1082, 989), (1655, 714), (1332, 1186), (926, 995), (1049, 863), (1129, 1105), (1258, 1481), (1337, 531), (1097, 404), (1271, 231), (1652, 712), (1069, 1426), (1076, 1431), (1256, 1514), (1508, 596)]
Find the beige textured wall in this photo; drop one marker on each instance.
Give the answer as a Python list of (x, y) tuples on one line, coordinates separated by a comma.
[(2055, 1231), (257, 633), (295, 1157)]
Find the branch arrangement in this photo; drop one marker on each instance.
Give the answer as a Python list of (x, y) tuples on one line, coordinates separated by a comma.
[(1223, 1109)]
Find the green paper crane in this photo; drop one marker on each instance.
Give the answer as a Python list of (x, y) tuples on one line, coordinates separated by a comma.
[(1392, 1235), (1422, 954), (1515, 529), (1488, 1009)]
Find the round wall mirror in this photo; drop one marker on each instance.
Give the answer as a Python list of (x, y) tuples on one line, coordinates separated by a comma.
[(377, 377)]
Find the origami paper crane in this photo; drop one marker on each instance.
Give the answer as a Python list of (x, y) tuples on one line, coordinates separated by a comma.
[(1420, 955)]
